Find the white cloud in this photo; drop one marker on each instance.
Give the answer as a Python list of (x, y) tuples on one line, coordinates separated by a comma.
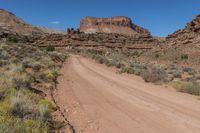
[(55, 22)]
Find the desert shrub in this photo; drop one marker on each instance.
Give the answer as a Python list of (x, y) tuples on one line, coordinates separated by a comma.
[(126, 69), (138, 72), (17, 103), (177, 74), (137, 65), (157, 56), (57, 56), (9, 124), (5, 81), (3, 63), (184, 56), (5, 107), (188, 87), (50, 48), (35, 65), (47, 62), (27, 62), (44, 112), (51, 76), (119, 65), (21, 66), (190, 79), (20, 104), (189, 70), (131, 53), (50, 105), (13, 39), (109, 62), (100, 59), (14, 77), (49, 85), (45, 108), (20, 80), (113, 62), (154, 74), (57, 124), (16, 68), (4, 54)]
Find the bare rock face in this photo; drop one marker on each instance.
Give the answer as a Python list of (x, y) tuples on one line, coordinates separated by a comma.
[(120, 25)]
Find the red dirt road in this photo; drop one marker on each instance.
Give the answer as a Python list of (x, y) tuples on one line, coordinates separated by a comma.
[(96, 99)]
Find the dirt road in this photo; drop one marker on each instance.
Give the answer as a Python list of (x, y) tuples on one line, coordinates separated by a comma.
[(96, 99)]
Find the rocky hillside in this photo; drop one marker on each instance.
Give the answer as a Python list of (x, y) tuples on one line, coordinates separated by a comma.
[(190, 34), (121, 25), (181, 47), (98, 41), (10, 22), (14, 24)]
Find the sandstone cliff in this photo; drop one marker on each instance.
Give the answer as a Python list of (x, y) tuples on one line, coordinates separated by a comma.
[(121, 25)]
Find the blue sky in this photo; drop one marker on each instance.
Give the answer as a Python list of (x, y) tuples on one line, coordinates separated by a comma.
[(161, 17)]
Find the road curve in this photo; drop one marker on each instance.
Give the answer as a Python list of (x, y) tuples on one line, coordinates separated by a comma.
[(96, 99)]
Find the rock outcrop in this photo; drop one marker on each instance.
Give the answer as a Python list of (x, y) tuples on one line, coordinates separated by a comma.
[(190, 34), (182, 47), (120, 25)]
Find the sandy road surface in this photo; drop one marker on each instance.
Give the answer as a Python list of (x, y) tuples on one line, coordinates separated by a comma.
[(96, 99)]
